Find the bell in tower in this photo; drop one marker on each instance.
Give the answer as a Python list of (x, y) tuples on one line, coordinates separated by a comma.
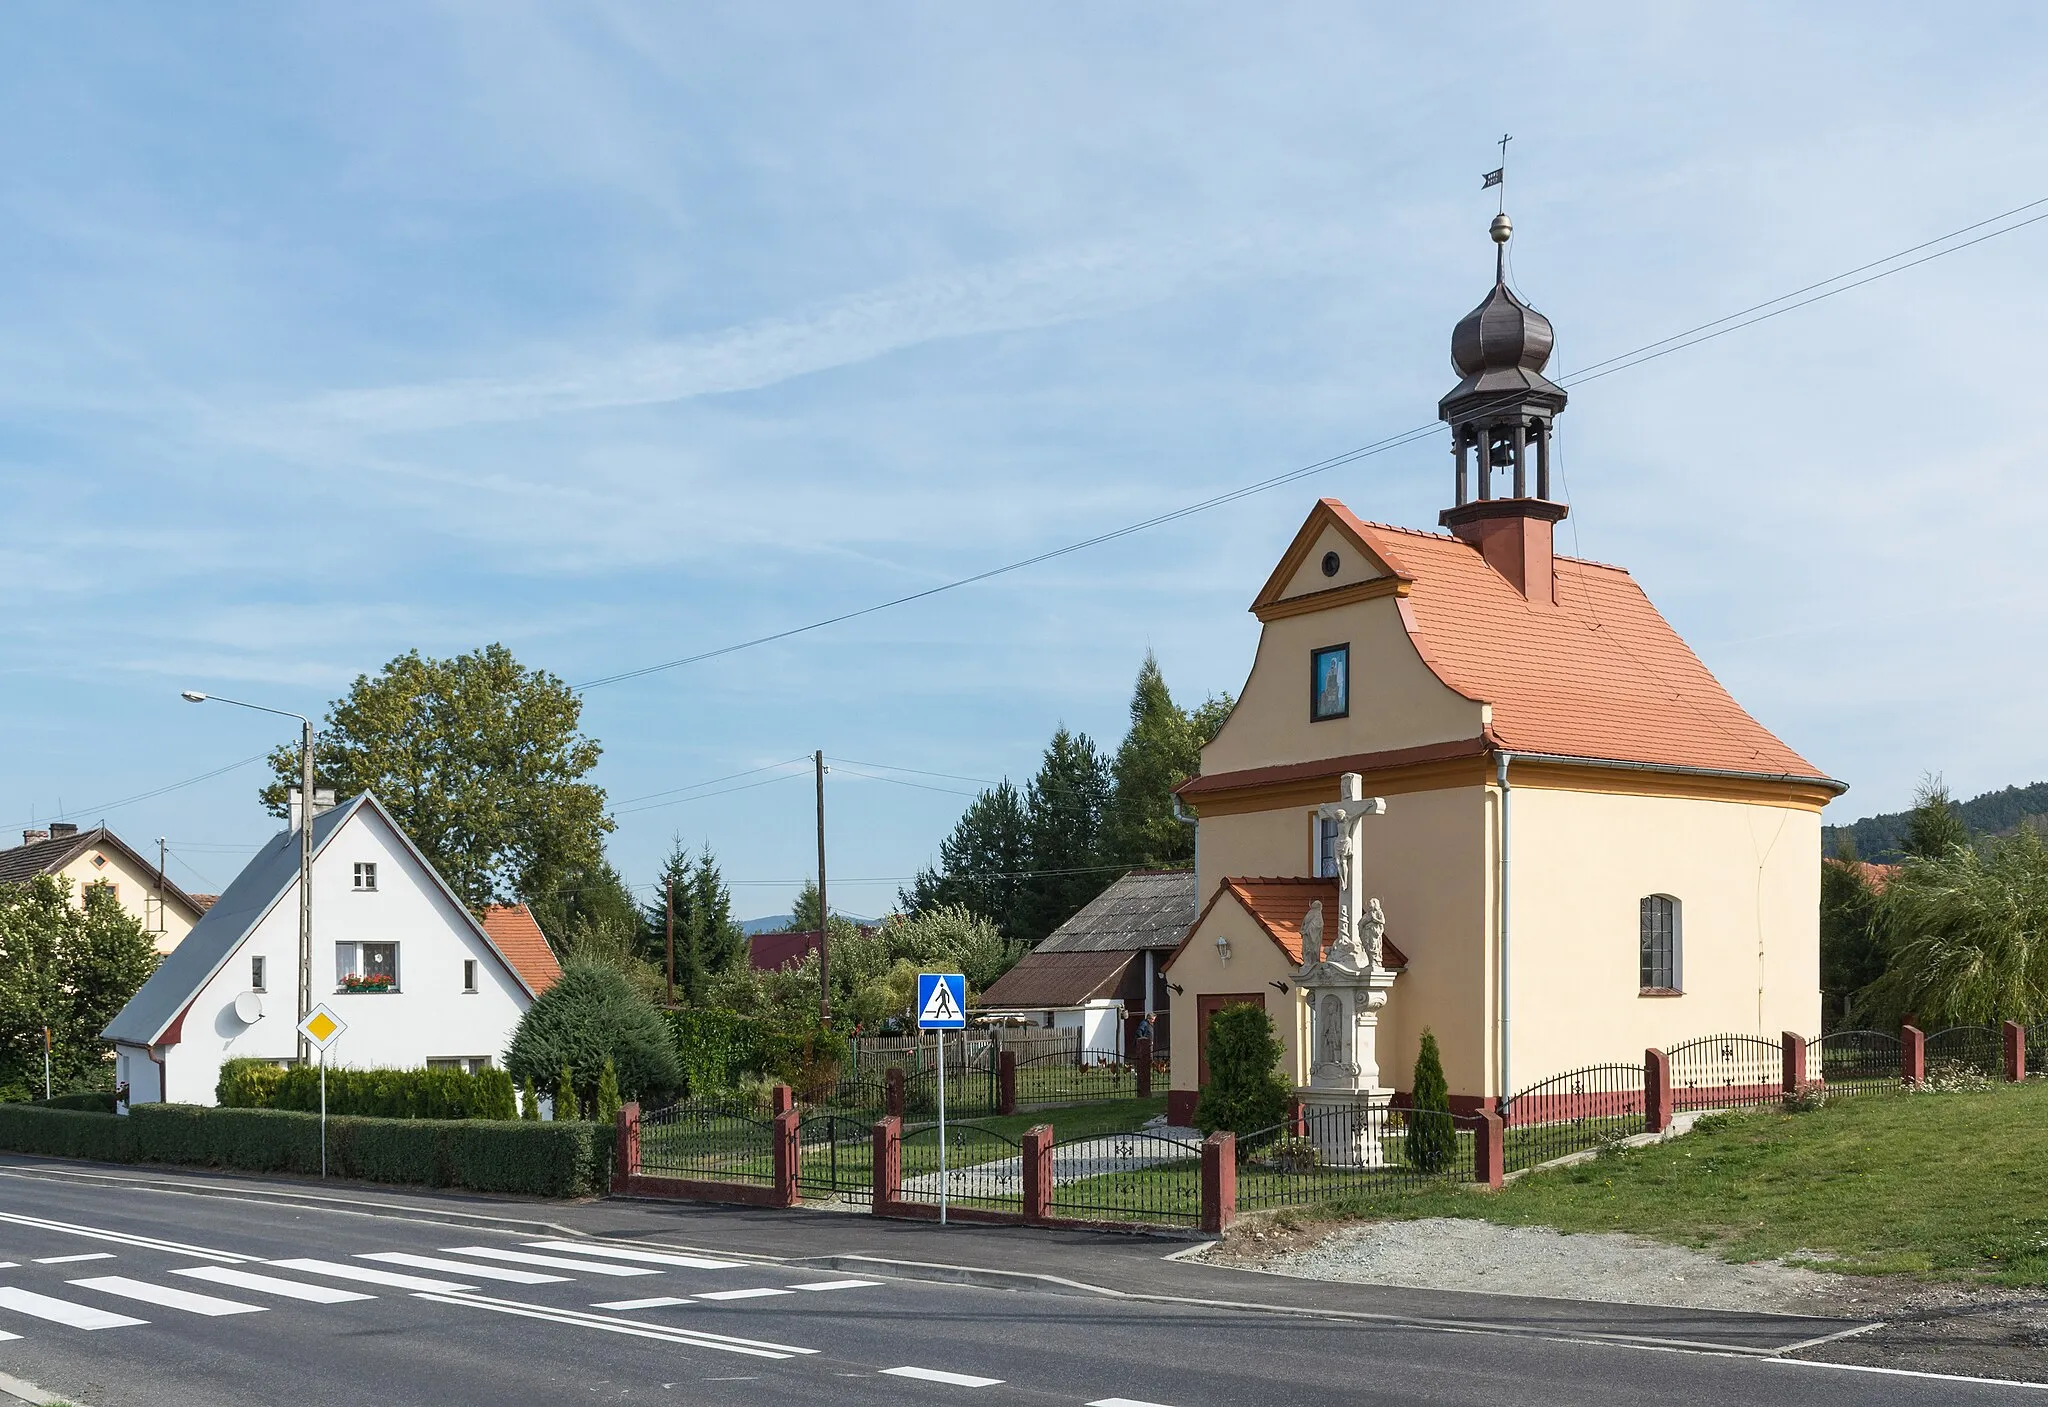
[(1500, 416)]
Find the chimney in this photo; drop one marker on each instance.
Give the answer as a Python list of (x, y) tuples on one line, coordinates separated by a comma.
[(1514, 536), (323, 802), (60, 829), (31, 837)]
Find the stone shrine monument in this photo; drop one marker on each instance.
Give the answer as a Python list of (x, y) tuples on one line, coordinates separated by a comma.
[(1344, 1103)]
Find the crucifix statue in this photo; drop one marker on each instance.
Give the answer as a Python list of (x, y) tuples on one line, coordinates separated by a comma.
[(1349, 812)]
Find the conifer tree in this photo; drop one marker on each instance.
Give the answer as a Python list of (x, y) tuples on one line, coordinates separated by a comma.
[(529, 1102), (1062, 828), (1245, 1093), (1162, 750), (1432, 1137), (1936, 826), (981, 863), (565, 1097), (608, 1101), (708, 941)]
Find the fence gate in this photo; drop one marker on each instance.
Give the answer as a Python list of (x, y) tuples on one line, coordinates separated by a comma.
[(1727, 1072), (835, 1157), (1089, 1077)]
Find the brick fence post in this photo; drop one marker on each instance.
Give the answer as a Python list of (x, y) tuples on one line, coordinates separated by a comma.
[(1038, 1174), (1219, 1182), (1144, 1059), (888, 1162), (1795, 1061), (2015, 1051), (781, 1100), (1489, 1151), (1006, 1083), (1656, 1091), (892, 1091), (626, 1148), (1297, 1119), (1913, 1055), (786, 1157)]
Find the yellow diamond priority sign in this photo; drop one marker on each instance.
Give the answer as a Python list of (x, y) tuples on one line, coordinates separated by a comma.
[(322, 1026)]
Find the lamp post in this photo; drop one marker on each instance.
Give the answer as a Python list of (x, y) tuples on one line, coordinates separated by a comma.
[(305, 851)]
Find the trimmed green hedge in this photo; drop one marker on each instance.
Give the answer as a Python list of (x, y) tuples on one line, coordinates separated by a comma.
[(96, 1101), (533, 1159), (381, 1093)]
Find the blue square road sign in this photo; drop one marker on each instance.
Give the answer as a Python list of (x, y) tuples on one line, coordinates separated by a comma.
[(941, 1001)]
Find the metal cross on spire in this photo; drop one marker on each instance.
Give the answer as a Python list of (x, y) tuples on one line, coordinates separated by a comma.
[(1498, 176)]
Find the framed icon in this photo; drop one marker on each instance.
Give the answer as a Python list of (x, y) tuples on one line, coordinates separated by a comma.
[(1329, 675)]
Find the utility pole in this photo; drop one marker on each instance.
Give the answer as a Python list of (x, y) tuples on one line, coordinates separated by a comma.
[(824, 912), (161, 844), (306, 896), (669, 883)]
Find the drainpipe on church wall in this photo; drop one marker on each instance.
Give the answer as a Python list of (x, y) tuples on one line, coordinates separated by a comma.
[(1507, 851)]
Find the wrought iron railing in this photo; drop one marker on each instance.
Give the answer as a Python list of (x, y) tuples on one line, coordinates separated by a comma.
[(1979, 1048), (835, 1157), (984, 1166), (1854, 1062), (1590, 1107), (1135, 1177), (1338, 1152), (705, 1140), (1727, 1072), (1091, 1077)]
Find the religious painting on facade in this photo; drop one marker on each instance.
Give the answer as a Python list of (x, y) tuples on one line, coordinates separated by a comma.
[(1329, 674)]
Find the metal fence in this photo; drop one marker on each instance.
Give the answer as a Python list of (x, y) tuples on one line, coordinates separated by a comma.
[(1979, 1048), (710, 1141), (1082, 1077), (984, 1166), (1727, 1072), (1854, 1062), (1336, 1152), (1135, 1177), (1590, 1107), (835, 1157)]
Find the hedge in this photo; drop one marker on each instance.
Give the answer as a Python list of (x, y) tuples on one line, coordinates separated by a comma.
[(97, 1101), (532, 1159), (379, 1093)]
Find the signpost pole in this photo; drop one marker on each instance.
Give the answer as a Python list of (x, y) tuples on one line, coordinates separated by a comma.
[(323, 1112), (942, 1126), (46, 1064)]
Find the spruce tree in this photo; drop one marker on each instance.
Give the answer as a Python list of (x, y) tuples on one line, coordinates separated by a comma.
[(706, 937), (1936, 827), (1432, 1136), (1063, 821), (1162, 750), (565, 1097), (608, 1101), (529, 1102), (981, 863)]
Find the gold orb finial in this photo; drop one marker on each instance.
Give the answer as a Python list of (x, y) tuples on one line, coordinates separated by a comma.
[(1501, 229)]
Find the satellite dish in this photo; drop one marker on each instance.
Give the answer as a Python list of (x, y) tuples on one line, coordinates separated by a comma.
[(249, 1008)]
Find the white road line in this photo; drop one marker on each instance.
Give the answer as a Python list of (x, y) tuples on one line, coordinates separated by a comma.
[(938, 1375), (9, 1264), (456, 1267), (271, 1285), (657, 1302), (591, 1248), (724, 1343), (75, 1316), (836, 1285), (6, 1337), (341, 1271), (149, 1243), (168, 1296), (739, 1294), (67, 1260), (1903, 1372), (1123, 1402), (552, 1262)]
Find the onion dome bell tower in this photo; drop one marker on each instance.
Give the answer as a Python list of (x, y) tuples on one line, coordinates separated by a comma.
[(1500, 415)]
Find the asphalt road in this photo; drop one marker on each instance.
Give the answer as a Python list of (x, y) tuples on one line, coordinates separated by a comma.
[(248, 1296)]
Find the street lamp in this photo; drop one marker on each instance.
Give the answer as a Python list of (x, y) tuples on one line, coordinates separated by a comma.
[(305, 852)]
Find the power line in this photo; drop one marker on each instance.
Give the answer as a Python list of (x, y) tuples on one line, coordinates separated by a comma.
[(898, 781), (106, 806), (707, 795), (916, 771), (1649, 351), (731, 776)]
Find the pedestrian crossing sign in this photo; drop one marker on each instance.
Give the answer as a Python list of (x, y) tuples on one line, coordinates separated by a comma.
[(322, 1026), (941, 1001)]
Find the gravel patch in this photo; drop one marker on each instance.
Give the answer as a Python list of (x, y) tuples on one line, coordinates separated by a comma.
[(1444, 1253)]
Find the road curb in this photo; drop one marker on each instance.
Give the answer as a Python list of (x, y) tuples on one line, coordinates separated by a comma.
[(21, 1390)]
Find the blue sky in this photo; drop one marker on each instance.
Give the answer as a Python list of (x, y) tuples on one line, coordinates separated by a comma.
[(620, 332)]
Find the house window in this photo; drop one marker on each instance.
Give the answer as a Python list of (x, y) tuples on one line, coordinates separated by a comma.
[(471, 1064), (469, 974), (366, 965), (1326, 847), (99, 862), (1662, 970), (256, 975), (366, 876)]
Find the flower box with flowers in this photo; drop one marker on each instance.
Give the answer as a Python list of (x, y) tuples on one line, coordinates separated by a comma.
[(367, 982)]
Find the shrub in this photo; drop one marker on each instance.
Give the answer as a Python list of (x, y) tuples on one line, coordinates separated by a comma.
[(715, 1048), (446, 1093), (247, 1084), (1291, 1154), (64, 1133), (1245, 1092), (1954, 1077), (1432, 1136), (494, 1097), (805, 1056), (565, 1097), (606, 1110), (529, 1102), (592, 1014), (1808, 1098), (96, 1101)]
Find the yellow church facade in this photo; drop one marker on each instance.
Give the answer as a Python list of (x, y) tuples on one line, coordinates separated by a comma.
[(1588, 846)]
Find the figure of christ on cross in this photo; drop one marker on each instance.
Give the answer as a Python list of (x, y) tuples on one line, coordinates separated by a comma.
[(1349, 812)]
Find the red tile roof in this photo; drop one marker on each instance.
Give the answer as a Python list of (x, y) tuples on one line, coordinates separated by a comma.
[(515, 933), (1280, 905), (1600, 675), (768, 951)]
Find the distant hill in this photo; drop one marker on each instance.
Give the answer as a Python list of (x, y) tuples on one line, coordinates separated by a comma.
[(779, 923), (1882, 839)]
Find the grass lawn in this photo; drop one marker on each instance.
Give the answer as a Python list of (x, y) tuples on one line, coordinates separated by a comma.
[(1945, 1185)]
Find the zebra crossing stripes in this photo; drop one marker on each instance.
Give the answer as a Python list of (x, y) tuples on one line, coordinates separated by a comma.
[(458, 1267), (272, 1285), (341, 1270), (675, 1258), (166, 1296), (56, 1311), (588, 1267)]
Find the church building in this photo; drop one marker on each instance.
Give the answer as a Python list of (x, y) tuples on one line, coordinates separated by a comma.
[(1587, 846)]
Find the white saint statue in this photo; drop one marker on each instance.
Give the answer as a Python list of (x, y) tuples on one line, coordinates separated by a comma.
[(1312, 935)]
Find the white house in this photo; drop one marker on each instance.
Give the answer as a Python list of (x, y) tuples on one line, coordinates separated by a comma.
[(230, 988)]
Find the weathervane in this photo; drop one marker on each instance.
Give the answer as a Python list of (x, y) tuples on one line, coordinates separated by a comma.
[(1498, 175)]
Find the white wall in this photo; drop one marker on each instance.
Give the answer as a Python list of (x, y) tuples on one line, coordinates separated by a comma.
[(428, 1017)]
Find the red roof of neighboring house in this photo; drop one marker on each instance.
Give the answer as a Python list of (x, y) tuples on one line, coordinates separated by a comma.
[(768, 951), (1041, 980), (1280, 905), (202, 902), (1599, 675), (513, 929), (1875, 875)]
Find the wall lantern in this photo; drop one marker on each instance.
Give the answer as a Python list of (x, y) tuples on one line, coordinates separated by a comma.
[(1223, 947)]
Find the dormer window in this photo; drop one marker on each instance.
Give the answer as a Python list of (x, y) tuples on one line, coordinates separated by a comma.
[(366, 876)]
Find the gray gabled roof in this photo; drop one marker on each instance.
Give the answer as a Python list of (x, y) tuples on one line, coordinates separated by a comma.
[(257, 890), (1144, 909), (21, 863)]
